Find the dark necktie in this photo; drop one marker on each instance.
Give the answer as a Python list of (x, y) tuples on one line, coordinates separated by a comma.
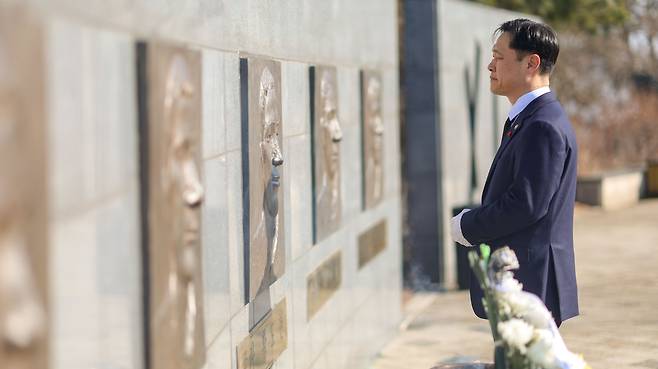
[(506, 131)]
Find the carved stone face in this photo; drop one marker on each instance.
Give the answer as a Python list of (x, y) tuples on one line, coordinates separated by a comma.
[(265, 158), (175, 197), (268, 102), (21, 311), (330, 125), (7, 164), (373, 138), (23, 191), (183, 181), (326, 137), (375, 123)]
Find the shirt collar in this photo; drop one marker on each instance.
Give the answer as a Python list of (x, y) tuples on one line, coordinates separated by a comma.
[(526, 99)]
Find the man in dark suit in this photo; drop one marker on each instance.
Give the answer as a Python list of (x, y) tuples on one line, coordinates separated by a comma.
[(528, 198)]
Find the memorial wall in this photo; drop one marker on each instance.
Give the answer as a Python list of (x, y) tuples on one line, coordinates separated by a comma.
[(198, 184)]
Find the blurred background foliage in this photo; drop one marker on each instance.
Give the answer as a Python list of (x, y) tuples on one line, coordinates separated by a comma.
[(606, 75)]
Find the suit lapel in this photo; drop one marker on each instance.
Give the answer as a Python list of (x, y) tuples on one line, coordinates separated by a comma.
[(515, 127)]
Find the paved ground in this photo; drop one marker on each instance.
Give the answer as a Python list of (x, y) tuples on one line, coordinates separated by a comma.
[(617, 268)]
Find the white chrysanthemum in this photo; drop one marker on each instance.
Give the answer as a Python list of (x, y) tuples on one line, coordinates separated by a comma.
[(516, 333), (518, 301), (508, 285), (537, 314), (528, 307), (565, 358), (541, 350), (570, 361)]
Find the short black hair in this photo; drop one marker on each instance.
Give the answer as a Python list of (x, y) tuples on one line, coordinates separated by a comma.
[(529, 37)]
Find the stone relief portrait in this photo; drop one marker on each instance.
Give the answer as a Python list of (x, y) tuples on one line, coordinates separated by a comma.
[(265, 162), (373, 138), (327, 135), (23, 189), (175, 195)]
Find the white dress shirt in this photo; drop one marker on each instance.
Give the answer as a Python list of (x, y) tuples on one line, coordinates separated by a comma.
[(525, 100), (517, 108)]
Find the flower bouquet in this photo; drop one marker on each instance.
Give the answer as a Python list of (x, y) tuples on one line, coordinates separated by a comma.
[(525, 334)]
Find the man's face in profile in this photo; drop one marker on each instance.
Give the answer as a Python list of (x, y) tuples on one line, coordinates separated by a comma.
[(507, 72)]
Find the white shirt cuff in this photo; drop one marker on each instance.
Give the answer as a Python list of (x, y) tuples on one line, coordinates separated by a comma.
[(459, 235)]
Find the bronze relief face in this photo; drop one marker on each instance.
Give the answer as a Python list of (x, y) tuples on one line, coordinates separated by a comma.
[(327, 137), (175, 195), (23, 211), (373, 138), (263, 163)]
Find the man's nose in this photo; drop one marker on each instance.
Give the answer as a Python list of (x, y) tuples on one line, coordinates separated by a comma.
[(490, 66)]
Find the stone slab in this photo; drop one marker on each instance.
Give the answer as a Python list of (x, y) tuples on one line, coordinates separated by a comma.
[(372, 242), (266, 341), (322, 283)]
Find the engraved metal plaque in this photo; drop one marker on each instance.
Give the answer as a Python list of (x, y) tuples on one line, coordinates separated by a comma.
[(23, 190), (322, 283), (372, 128), (372, 242), (263, 162), (170, 86), (327, 135), (266, 341)]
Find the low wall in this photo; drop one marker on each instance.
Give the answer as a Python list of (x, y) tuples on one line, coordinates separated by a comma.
[(612, 190)]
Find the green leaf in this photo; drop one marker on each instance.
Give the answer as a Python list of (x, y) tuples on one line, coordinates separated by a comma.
[(485, 250)]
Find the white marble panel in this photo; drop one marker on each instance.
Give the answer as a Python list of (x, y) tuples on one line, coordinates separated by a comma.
[(118, 272), (71, 129), (312, 337), (286, 359), (349, 105), (368, 278), (235, 232), (239, 331), (218, 355), (338, 348), (300, 195), (301, 343), (95, 287), (214, 124), (295, 98), (93, 135), (215, 243), (232, 101), (110, 91), (348, 294), (282, 287), (74, 327), (335, 31), (360, 332)]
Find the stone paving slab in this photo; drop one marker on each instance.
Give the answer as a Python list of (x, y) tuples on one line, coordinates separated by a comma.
[(617, 271)]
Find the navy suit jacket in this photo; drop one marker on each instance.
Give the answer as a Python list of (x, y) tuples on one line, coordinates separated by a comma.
[(528, 204)]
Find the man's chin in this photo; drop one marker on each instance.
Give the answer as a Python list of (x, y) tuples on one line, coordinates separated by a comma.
[(496, 91), (494, 88)]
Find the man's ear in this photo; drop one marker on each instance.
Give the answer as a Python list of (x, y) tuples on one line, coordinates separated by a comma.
[(534, 61)]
